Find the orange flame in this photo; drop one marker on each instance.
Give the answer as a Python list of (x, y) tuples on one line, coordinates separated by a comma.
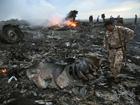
[(3, 71), (72, 24)]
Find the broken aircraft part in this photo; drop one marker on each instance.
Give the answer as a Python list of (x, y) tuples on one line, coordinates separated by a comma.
[(10, 33), (44, 74), (61, 76)]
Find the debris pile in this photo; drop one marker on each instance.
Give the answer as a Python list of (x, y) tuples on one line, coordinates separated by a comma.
[(60, 62)]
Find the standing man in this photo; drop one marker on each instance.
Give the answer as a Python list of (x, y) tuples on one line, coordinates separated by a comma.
[(103, 17), (136, 17), (98, 19), (115, 43), (112, 19), (91, 19)]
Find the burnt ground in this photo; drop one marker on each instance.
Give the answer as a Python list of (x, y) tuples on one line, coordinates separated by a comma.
[(42, 44)]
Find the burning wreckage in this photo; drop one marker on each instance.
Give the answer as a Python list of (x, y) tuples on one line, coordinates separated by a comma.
[(69, 22), (66, 70)]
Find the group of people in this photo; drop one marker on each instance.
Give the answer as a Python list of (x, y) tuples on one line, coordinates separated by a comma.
[(115, 40), (118, 20)]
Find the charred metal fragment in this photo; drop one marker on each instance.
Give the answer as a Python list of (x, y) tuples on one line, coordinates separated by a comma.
[(84, 68), (10, 32), (72, 15), (61, 76)]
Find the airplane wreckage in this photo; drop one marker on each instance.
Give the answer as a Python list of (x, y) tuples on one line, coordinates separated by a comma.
[(10, 32), (64, 66)]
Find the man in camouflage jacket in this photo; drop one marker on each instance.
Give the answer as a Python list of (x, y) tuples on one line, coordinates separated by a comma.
[(115, 43)]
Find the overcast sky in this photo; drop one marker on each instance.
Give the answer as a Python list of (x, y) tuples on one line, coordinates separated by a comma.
[(46, 9)]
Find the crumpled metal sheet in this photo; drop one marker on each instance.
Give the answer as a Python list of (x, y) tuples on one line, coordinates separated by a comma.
[(49, 74)]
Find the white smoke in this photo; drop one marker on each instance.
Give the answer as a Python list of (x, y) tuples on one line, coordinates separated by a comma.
[(34, 11)]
